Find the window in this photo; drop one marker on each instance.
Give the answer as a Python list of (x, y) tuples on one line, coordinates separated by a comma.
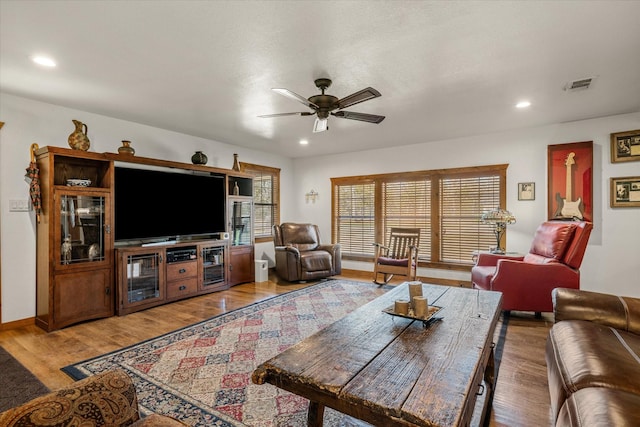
[(444, 204), (266, 199)]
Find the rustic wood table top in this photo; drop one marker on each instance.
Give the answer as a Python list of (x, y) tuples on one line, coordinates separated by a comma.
[(394, 371)]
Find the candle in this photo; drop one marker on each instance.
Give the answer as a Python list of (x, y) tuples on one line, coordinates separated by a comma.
[(415, 290), (401, 306), (420, 307)]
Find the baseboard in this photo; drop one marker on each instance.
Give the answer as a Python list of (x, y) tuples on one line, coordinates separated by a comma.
[(17, 324)]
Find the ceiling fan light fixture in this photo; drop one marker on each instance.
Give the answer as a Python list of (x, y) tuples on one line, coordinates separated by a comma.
[(320, 125)]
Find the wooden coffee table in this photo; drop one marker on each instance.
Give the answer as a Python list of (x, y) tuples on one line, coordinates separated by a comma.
[(393, 371)]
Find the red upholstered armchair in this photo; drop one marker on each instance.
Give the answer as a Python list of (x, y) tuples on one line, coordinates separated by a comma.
[(552, 262)]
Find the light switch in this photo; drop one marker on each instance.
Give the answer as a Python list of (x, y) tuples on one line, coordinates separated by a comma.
[(18, 205)]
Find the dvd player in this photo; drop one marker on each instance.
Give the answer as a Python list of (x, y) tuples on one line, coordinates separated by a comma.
[(181, 254)]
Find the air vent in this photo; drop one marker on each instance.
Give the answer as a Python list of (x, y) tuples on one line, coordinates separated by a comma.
[(580, 84)]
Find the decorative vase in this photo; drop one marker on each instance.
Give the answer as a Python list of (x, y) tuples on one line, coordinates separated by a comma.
[(126, 148), (78, 140), (236, 164), (199, 158), (236, 189)]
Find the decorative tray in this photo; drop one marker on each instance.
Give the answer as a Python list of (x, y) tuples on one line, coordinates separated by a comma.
[(431, 317), (78, 182)]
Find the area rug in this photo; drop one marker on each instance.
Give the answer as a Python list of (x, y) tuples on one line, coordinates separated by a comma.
[(201, 374), (17, 384)]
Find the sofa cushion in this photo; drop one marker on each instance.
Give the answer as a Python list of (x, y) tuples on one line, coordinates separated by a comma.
[(538, 259), (582, 354), (552, 239), (315, 261), (304, 237), (106, 399), (600, 406)]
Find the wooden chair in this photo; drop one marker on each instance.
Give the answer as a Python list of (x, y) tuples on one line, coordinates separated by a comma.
[(399, 257)]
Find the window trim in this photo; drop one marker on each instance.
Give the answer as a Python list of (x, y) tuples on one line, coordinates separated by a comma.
[(254, 169), (435, 176)]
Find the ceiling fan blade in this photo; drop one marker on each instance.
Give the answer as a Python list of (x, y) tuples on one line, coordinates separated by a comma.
[(302, 113), (295, 97), (363, 117), (358, 97)]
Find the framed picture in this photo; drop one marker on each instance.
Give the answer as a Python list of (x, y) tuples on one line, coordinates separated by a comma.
[(625, 192), (625, 146), (526, 191), (570, 181)]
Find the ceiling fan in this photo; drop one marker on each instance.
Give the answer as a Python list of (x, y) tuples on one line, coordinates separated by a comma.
[(323, 105)]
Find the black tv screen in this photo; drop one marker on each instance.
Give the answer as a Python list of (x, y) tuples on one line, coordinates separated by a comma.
[(152, 205)]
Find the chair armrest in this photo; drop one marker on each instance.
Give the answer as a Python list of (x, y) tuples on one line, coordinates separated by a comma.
[(381, 250), (332, 249), (610, 310), (512, 274), (289, 249), (487, 259)]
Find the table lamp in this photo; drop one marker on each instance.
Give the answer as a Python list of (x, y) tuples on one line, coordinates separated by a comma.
[(499, 218)]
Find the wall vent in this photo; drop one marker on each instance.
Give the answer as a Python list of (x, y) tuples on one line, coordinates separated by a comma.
[(580, 84)]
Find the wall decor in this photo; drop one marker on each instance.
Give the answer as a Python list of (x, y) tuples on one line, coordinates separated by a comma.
[(625, 192), (625, 146), (526, 191), (570, 181)]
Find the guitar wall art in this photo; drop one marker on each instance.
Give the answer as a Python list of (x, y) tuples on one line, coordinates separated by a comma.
[(570, 181)]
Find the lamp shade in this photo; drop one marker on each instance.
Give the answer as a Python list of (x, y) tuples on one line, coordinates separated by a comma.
[(498, 216)]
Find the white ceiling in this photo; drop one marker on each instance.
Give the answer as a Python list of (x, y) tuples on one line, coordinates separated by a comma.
[(445, 69)]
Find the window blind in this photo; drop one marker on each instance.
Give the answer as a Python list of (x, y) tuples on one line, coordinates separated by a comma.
[(353, 219), (462, 202), (407, 204), (266, 198)]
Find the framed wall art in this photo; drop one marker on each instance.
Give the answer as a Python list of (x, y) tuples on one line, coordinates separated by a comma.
[(625, 146), (570, 181), (526, 191), (625, 192)]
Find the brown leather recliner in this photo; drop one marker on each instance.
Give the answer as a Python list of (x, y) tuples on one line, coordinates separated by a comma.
[(301, 256)]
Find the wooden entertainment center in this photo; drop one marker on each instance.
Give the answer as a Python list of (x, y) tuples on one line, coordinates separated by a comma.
[(84, 274)]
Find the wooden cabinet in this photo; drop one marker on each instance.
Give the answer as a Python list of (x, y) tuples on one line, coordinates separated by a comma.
[(140, 280), (151, 276), (242, 265), (212, 263), (74, 241), (241, 256), (79, 274)]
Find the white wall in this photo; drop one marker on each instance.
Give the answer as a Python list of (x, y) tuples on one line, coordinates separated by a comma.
[(611, 261), (28, 121)]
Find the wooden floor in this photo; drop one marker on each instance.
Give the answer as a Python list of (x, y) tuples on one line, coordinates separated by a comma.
[(521, 396)]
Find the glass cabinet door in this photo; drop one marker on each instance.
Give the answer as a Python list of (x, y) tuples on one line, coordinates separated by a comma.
[(241, 222), (212, 265), (82, 228), (143, 277)]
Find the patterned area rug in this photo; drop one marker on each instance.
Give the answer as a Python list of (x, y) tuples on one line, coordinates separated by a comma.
[(201, 374)]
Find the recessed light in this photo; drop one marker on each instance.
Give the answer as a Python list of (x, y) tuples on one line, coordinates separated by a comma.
[(304, 142), (44, 61), (523, 104)]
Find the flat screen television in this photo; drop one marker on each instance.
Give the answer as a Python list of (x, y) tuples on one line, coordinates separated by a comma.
[(154, 205)]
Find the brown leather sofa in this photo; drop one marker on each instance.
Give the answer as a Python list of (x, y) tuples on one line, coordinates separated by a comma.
[(300, 256), (593, 359), (107, 399)]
